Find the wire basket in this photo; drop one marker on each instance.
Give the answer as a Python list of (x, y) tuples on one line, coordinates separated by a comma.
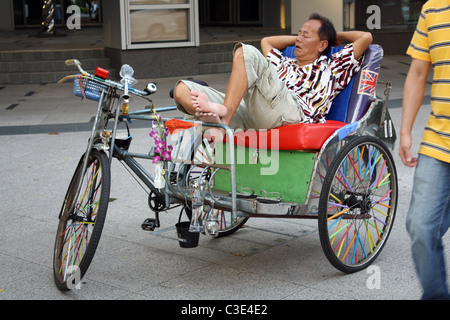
[(88, 89)]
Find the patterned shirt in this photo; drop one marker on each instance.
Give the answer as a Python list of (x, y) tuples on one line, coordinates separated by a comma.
[(317, 84), (431, 43)]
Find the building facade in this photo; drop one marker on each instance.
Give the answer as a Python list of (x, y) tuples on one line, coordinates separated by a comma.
[(167, 32)]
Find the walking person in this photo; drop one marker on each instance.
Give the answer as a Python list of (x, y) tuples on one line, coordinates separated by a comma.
[(429, 215)]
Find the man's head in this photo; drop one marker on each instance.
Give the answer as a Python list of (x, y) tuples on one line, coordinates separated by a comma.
[(315, 38)]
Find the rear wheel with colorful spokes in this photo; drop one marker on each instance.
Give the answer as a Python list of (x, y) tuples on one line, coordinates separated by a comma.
[(358, 204), (81, 221)]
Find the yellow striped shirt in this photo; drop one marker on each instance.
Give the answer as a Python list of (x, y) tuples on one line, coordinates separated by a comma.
[(431, 42)]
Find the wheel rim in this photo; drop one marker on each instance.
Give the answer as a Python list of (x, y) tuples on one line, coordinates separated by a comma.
[(78, 220), (360, 206)]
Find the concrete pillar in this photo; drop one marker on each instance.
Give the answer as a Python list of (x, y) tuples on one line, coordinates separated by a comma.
[(6, 15)]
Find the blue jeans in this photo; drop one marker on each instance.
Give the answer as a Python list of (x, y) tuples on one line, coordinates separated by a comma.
[(427, 222)]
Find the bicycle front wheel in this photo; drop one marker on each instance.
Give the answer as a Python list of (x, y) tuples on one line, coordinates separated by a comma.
[(81, 221)]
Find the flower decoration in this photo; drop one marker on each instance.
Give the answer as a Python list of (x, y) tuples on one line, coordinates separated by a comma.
[(163, 151)]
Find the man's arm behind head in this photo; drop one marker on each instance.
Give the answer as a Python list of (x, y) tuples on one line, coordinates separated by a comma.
[(361, 41), (277, 42)]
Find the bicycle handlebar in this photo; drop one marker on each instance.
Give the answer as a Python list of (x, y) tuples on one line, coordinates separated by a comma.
[(150, 88)]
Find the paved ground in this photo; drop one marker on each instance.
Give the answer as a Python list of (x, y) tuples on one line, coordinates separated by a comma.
[(43, 136)]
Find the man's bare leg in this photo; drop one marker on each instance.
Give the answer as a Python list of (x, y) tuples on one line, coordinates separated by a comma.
[(182, 94), (236, 89), (198, 104)]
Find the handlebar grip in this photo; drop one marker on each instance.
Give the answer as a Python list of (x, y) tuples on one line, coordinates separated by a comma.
[(73, 62)]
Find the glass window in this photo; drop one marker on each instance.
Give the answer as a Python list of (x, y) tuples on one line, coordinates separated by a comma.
[(138, 2), (159, 25)]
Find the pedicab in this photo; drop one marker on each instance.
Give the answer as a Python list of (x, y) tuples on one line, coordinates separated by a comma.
[(340, 173)]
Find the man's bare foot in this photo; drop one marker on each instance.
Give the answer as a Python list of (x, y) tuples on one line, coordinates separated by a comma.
[(208, 117), (201, 102)]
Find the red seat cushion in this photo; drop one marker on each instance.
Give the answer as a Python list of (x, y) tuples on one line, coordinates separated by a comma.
[(301, 136)]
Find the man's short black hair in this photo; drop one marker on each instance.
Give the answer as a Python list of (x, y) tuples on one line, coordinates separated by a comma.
[(326, 31)]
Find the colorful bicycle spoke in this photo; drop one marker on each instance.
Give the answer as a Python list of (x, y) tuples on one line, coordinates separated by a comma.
[(76, 236), (359, 204)]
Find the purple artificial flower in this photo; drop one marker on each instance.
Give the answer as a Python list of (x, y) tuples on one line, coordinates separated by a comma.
[(166, 155), (157, 117), (162, 150), (160, 146), (156, 159)]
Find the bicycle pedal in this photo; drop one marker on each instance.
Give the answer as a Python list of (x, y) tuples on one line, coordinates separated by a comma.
[(149, 225)]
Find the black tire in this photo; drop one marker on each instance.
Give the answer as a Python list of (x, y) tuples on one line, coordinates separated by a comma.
[(357, 204), (81, 223)]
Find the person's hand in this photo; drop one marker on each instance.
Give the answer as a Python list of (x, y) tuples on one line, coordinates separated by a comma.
[(405, 151)]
